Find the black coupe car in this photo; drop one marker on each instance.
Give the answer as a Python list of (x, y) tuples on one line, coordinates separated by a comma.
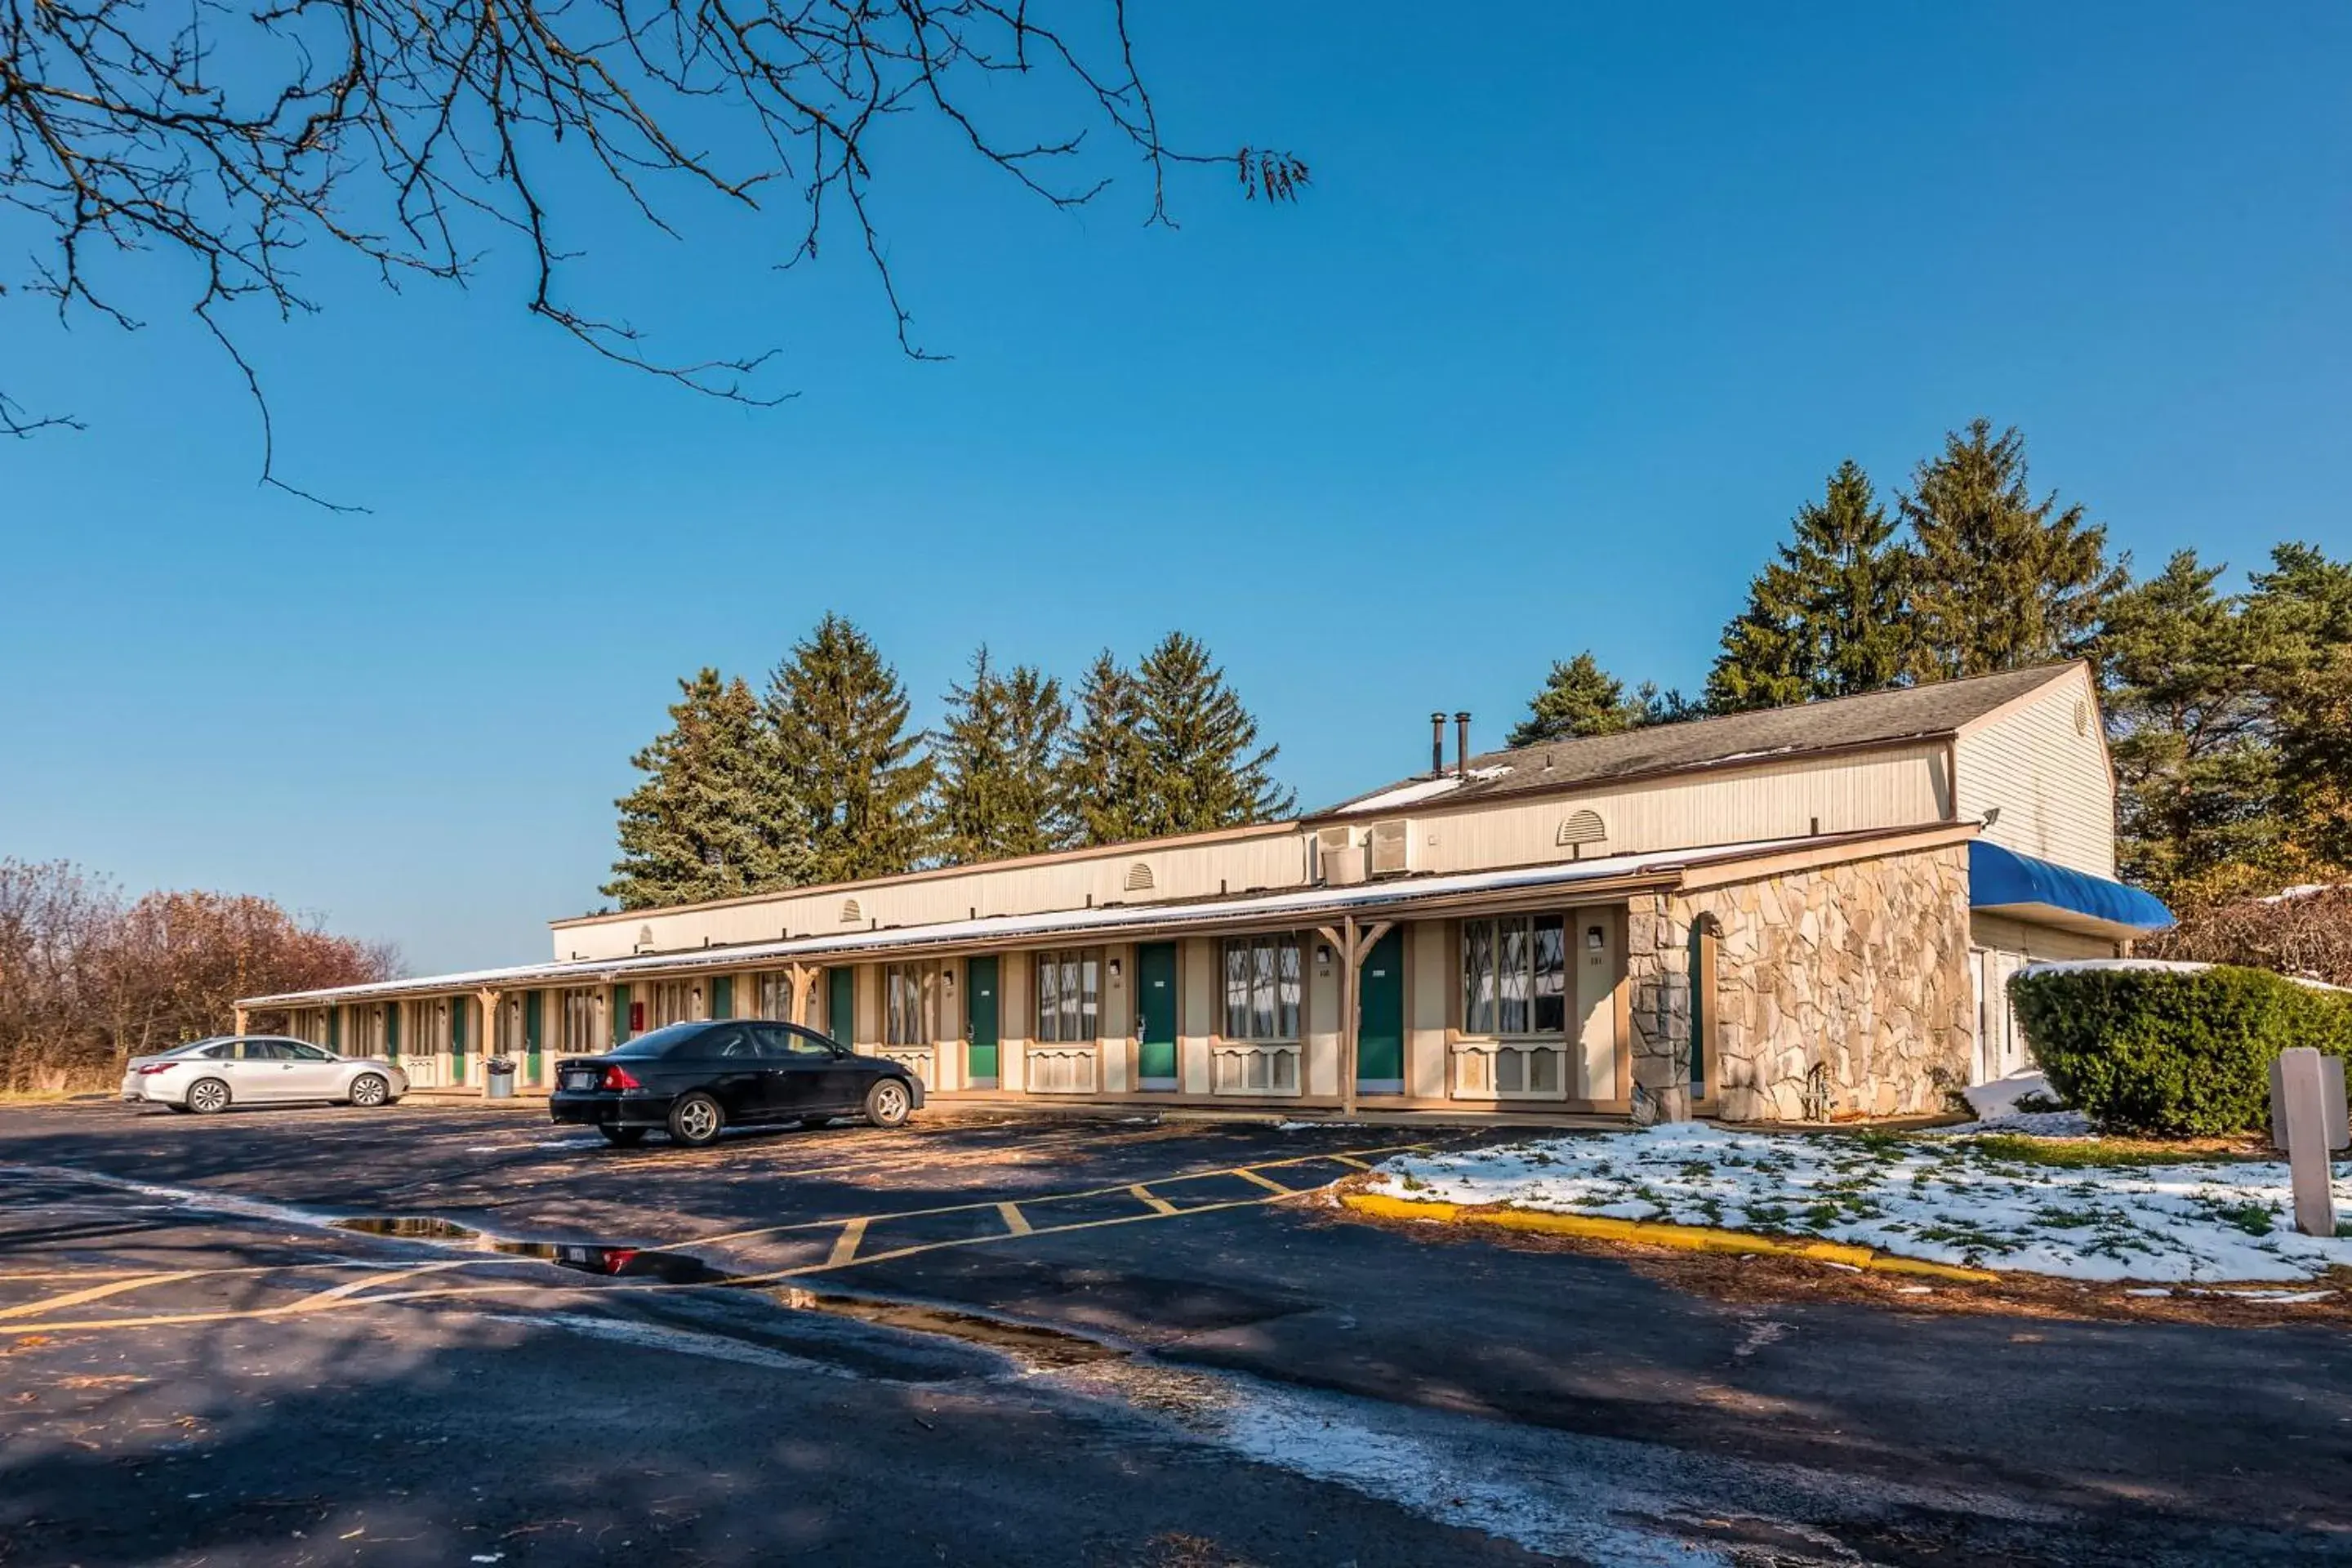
[(693, 1081)]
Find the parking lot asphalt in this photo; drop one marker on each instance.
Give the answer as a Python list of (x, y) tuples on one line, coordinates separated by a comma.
[(1026, 1339)]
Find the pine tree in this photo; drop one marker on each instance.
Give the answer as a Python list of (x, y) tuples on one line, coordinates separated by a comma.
[(857, 776), (1999, 582), (2300, 616), (1204, 767), (703, 824), (2194, 768), (1580, 698), (1829, 616), (1105, 764), (996, 751)]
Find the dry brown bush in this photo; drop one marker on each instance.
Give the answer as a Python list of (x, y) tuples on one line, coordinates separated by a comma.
[(2307, 932)]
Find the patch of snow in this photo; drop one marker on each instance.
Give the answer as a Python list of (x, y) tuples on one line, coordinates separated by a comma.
[(1405, 794), (2300, 891), (1999, 1097), (2031, 1123), (1944, 1199)]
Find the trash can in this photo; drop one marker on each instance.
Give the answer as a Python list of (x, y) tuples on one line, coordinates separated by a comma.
[(499, 1073)]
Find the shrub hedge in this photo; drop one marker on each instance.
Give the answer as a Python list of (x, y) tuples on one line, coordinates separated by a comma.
[(2172, 1053)]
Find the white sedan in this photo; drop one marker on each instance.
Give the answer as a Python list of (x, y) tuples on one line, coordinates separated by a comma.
[(205, 1076)]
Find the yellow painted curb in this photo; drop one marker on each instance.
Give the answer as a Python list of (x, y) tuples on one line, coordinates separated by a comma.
[(1654, 1233)]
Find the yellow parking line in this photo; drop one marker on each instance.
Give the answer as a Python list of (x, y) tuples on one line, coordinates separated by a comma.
[(95, 1292), (1351, 1160), (351, 1287), (1015, 1222), (844, 1247), (1159, 1203), (1246, 1172)]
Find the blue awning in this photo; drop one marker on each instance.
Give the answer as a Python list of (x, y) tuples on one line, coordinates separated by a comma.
[(2001, 879)]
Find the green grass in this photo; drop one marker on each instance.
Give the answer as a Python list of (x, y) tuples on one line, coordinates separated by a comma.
[(2080, 1154)]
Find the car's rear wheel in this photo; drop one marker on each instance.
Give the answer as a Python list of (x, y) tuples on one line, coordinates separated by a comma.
[(695, 1119), (888, 1102), (623, 1137), (370, 1091), (207, 1095)]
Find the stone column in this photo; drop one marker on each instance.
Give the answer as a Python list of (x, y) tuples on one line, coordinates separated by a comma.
[(1660, 1011)]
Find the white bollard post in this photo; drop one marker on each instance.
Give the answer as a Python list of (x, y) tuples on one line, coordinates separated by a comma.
[(2308, 1120)]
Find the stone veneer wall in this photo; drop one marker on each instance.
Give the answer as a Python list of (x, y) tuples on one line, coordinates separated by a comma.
[(1859, 969)]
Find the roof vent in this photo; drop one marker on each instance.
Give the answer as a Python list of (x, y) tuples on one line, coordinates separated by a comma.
[(1582, 827), (645, 939), (1139, 877), (850, 912)]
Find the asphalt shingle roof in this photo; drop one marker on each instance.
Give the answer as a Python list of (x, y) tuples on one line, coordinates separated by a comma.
[(1906, 713)]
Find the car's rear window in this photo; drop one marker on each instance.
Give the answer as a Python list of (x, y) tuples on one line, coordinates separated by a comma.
[(661, 1041)]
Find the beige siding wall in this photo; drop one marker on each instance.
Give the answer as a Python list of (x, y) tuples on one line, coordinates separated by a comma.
[(1894, 788), (2045, 766), (1274, 859), (1429, 980), (2036, 941)]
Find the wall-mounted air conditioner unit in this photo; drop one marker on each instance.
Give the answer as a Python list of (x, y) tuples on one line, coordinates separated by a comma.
[(1339, 859), (1392, 848)]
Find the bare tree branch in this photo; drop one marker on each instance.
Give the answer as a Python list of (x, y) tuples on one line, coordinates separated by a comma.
[(226, 135)]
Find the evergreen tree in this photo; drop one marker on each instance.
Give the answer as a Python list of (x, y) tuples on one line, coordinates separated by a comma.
[(703, 824), (2194, 768), (1999, 582), (1105, 766), (1580, 698), (859, 784), (1204, 767), (1828, 619), (996, 753), (2300, 616)]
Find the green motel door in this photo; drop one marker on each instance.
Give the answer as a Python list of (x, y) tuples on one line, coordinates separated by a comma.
[(840, 1005), (457, 1006), (1155, 1008), (980, 1025), (1380, 1029), (534, 1035)]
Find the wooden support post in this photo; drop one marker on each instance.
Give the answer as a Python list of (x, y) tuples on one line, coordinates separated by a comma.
[(1351, 944), (489, 1041), (803, 979), (239, 1028)]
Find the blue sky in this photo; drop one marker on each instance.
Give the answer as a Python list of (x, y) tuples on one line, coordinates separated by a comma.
[(1578, 311)]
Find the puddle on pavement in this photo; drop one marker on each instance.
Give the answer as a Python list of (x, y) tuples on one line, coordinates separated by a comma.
[(612, 1262), (1031, 1344), (407, 1227)]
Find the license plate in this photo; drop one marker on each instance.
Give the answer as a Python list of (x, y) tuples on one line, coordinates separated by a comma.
[(578, 1081)]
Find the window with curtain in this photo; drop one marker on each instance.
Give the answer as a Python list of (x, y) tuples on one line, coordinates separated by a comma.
[(1515, 975), (1070, 995), (674, 1001), (1262, 988), (582, 1033), (907, 1003)]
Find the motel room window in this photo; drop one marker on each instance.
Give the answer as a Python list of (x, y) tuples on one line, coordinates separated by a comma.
[(776, 1000), (907, 1003), (1262, 988), (674, 1001), (1514, 976), (1070, 995), (580, 1034)]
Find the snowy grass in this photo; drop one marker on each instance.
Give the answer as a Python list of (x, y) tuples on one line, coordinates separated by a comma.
[(1986, 1201)]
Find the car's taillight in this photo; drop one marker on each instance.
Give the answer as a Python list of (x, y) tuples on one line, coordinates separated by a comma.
[(156, 1068), (620, 1077), (617, 1260)]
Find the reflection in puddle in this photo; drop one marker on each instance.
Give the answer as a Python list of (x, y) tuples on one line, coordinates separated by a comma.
[(616, 1262), (407, 1227)]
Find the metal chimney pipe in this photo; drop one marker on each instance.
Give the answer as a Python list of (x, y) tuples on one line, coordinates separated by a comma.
[(1437, 745), (1462, 744)]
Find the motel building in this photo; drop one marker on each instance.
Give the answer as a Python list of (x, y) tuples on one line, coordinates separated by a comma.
[(1785, 915)]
